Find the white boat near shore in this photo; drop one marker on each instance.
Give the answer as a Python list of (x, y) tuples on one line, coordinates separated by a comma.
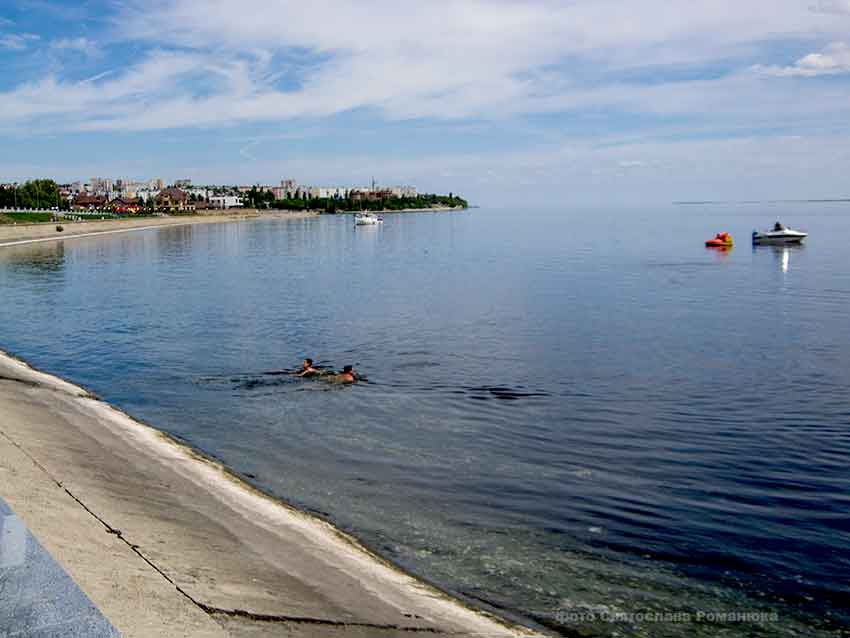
[(368, 219)]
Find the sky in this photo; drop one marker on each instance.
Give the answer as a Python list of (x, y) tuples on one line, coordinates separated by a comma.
[(520, 102)]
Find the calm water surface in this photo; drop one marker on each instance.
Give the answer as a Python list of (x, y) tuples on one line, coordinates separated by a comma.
[(568, 414)]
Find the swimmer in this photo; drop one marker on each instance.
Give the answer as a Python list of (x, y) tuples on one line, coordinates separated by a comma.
[(346, 376), (307, 369)]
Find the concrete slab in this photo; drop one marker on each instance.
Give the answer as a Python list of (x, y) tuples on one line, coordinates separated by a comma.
[(37, 598)]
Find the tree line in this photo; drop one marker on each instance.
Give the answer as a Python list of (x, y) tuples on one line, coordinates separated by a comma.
[(37, 193), (263, 199)]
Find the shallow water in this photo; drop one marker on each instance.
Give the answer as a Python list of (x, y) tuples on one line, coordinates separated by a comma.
[(568, 415)]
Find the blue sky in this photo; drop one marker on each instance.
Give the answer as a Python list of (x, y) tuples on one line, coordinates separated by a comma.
[(590, 101)]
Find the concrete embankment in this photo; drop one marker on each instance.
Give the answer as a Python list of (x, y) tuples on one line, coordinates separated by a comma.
[(11, 235), (167, 543)]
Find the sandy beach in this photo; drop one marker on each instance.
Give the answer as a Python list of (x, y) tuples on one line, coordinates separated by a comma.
[(11, 235), (168, 543)]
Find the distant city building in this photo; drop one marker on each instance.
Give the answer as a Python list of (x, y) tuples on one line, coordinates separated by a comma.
[(403, 191), (183, 183), (199, 192), (322, 192), (258, 187), (146, 193), (289, 189), (99, 186), (333, 192), (225, 201), (370, 194)]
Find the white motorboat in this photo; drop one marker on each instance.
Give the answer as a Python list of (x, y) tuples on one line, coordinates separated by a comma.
[(367, 219), (779, 235)]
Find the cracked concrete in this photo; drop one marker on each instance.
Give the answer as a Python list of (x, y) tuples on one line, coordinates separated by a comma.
[(168, 543)]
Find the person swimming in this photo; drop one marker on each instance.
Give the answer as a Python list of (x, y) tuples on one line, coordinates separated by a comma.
[(307, 369), (346, 376)]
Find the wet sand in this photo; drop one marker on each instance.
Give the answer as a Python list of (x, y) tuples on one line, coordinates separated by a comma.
[(168, 543), (11, 235)]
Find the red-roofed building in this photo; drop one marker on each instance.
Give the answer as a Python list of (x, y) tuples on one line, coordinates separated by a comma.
[(84, 201), (126, 205)]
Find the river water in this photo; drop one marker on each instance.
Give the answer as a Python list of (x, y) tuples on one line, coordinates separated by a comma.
[(583, 419)]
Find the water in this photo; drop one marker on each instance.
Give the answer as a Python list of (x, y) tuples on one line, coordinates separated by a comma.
[(568, 415)]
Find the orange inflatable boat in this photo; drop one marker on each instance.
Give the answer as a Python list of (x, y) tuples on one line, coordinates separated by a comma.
[(721, 240)]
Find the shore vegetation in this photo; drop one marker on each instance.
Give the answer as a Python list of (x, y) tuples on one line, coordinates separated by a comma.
[(265, 200), (25, 218), (35, 194)]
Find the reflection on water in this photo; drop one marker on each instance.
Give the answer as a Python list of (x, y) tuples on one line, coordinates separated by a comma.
[(784, 254), (550, 427), (45, 257), (720, 253), (781, 253)]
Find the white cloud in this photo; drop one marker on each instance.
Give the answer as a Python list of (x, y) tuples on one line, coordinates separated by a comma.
[(834, 59), (218, 62), (81, 45), (17, 41), (453, 58)]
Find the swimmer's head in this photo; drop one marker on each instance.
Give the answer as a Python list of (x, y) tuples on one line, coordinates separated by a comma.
[(348, 370), (308, 362)]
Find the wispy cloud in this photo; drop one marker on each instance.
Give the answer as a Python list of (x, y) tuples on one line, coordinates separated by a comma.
[(17, 41), (71, 12), (80, 45), (840, 7)]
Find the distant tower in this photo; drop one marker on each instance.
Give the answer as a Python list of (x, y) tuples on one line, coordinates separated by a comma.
[(373, 184)]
